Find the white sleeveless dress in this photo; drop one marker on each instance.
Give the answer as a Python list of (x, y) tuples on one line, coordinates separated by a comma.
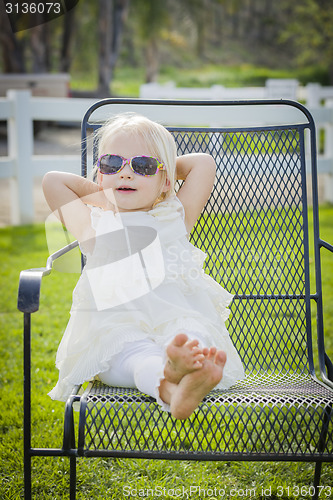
[(142, 279)]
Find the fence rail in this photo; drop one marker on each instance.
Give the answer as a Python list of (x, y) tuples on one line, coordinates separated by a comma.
[(21, 166), (312, 94)]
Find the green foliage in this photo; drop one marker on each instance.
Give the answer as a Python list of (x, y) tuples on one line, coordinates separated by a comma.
[(85, 42), (128, 79), (206, 75), (275, 39), (310, 30)]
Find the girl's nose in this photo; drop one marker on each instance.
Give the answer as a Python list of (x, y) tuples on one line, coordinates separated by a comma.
[(126, 172)]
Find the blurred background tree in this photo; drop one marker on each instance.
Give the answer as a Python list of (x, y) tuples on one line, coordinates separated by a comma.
[(111, 19), (97, 38), (310, 31), (151, 20)]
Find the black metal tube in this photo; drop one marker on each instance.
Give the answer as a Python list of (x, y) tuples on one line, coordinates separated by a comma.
[(53, 452), (254, 457), (316, 480), (317, 245), (306, 255), (27, 404), (72, 476)]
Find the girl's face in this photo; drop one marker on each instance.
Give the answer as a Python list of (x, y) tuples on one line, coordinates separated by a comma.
[(131, 191)]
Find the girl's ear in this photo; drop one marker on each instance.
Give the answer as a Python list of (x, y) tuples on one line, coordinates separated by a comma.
[(166, 185)]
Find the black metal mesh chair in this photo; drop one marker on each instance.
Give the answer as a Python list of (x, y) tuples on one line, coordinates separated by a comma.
[(254, 229)]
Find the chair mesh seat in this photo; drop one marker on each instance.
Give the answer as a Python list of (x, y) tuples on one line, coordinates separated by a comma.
[(272, 415)]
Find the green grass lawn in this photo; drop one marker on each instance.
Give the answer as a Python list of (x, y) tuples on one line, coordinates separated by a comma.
[(25, 247), (128, 79)]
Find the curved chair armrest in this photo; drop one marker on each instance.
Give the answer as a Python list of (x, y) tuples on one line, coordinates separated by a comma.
[(326, 245), (328, 363), (329, 367), (69, 435), (31, 280)]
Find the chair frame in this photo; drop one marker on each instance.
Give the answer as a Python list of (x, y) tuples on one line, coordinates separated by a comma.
[(29, 302)]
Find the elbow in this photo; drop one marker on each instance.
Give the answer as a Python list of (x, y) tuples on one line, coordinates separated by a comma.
[(51, 188), (209, 165), (207, 161), (49, 180), (210, 160), (46, 181)]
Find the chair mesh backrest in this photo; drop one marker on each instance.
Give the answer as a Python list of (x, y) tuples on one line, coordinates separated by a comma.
[(252, 231)]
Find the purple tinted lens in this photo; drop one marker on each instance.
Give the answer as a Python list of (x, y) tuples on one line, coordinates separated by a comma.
[(110, 164), (144, 165)]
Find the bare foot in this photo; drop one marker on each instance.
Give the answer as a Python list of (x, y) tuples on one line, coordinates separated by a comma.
[(183, 356), (194, 386)]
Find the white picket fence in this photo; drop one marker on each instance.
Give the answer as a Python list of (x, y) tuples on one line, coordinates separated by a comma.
[(312, 94), (20, 109)]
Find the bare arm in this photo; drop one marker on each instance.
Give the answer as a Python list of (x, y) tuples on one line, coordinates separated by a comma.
[(198, 171), (67, 196)]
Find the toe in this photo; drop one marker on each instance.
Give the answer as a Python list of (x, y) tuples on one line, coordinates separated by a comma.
[(212, 353), (193, 344), (220, 358), (180, 339), (199, 359)]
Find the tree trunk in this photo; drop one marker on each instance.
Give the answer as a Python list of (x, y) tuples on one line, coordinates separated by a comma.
[(119, 18), (12, 49), (151, 60), (40, 48), (67, 35), (104, 30), (112, 15)]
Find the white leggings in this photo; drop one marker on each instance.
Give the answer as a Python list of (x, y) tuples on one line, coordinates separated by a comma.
[(141, 365)]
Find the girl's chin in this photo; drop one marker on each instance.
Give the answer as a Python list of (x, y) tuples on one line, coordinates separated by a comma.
[(127, 203), (129, 207)]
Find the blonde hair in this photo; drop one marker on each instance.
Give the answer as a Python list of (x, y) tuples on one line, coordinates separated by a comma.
[(157, 138)]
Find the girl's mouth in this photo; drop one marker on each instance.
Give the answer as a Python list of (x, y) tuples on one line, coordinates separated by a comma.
[(126, 189)]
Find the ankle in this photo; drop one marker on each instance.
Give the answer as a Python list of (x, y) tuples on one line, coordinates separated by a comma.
[(166, 390)]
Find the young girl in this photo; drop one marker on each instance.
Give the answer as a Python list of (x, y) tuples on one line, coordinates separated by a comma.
[(144, 313)]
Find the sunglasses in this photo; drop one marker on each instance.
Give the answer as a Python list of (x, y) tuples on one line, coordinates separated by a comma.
[(142, 165)]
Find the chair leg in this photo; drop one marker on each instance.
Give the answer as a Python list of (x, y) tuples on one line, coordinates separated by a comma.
[(27, 477), (72, 460), (321, 447), (72, 477), (316, 480), (27, 406)]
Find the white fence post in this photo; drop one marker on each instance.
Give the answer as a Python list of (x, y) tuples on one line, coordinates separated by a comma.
[(313, 97), (20, 149), (281, 88)]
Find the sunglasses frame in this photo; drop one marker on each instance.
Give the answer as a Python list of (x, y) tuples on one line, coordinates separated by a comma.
[(128, 161)]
